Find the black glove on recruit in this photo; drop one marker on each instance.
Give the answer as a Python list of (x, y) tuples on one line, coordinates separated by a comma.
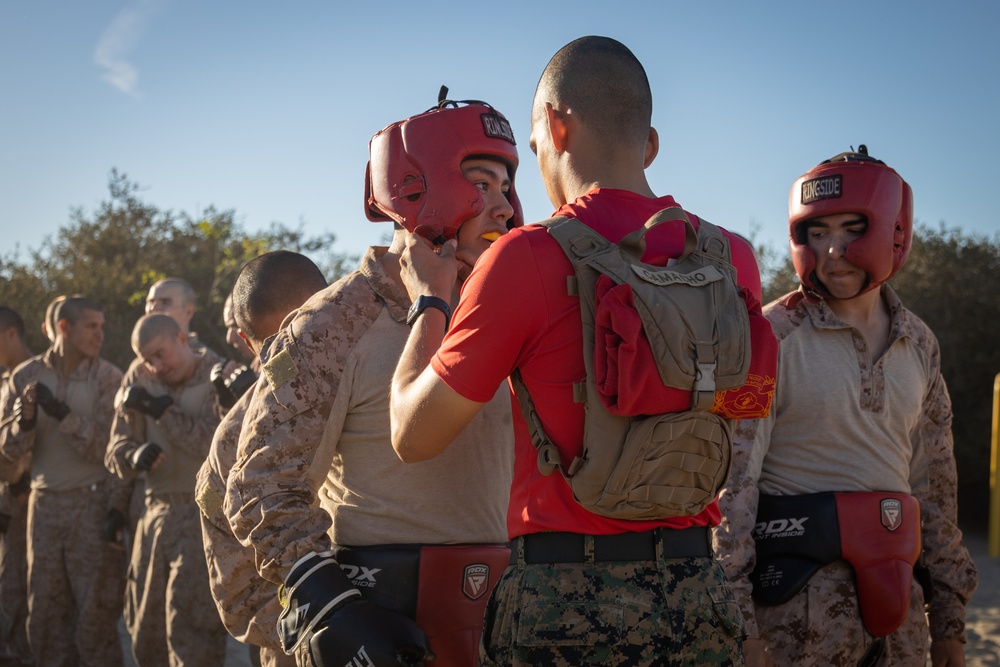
[(144, 456), (4, 523), (341, 626), (23, 422), (22, 486), (231, 388), (46, 400), (137, 398), (114, 526), (240, 380)]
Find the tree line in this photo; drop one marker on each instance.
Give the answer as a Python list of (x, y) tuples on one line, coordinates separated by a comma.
[(114, 255), (116, 252)]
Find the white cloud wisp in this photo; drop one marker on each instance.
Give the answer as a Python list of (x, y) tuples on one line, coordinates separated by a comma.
[(117, 43)]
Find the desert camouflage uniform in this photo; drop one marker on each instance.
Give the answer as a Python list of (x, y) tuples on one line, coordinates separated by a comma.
[(168, 608), (247, 604), (14, 579), (316, 466), (13, 560), (73, 573), (806, 446), (132, 489)]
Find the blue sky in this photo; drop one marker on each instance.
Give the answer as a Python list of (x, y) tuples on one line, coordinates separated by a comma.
[(267, 108)]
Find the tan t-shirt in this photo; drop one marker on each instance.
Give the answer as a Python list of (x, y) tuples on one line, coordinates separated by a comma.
[(316, 465)]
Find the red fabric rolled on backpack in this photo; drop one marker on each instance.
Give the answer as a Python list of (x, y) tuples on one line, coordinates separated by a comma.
[(626, 373)]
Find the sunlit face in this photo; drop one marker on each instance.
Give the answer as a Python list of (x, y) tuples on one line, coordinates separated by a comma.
[(168, 358), (476, 234), (828, 238), (86, 336), (233, 332), (169, 299)]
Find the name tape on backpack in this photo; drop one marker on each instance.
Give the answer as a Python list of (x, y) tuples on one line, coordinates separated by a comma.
[(699, 278)]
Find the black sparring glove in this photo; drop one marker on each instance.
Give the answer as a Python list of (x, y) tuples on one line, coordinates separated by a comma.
[(23, 422), (22, 486), (114, 526), (240, 380), (218, 378), (4, 523), (137, 398), (230, 388), (342, 627), (142, 457), (47, 401)]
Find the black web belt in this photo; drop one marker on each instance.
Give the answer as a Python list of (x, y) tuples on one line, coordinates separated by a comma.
[(572, 547)]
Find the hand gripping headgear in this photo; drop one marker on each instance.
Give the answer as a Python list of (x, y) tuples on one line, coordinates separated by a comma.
[(853, 183), (414, 174)]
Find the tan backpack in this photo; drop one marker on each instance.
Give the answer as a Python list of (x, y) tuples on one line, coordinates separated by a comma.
[(654, 466)]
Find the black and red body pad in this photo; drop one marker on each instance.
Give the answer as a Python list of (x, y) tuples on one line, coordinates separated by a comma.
[(443, 588), (877, 533)]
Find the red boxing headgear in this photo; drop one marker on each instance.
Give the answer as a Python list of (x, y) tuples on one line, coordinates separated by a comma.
[(853, 183), (414, 174)]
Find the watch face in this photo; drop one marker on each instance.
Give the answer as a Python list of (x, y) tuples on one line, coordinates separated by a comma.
[(414, 310)]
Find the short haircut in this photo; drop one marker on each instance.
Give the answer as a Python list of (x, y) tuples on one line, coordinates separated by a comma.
[(187, 292), (605, 84), (275, 282), (50, 314), (10, 319), (151, 326), (72, 308)]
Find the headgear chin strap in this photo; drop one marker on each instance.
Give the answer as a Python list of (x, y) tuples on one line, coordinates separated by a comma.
[(853, 182), (414, 173)]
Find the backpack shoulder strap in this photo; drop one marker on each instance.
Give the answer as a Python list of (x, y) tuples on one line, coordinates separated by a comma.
[(712, 242), (581, 244)]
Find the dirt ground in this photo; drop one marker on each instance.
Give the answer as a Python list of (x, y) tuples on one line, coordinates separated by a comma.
[(983, 617)]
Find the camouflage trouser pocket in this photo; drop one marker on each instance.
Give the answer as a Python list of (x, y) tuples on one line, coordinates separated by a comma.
[(561, 624), (708, 625)]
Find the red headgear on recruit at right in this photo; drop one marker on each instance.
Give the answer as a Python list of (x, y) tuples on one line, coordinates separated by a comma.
[(414, 173), (853, 183)]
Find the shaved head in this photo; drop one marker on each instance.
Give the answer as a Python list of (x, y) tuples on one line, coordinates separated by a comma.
[(72, 308), (9, 319), (271, 286), (183, 288), (152, 326), (603, 83)]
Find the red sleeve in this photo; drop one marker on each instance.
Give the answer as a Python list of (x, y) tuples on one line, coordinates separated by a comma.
[(745, 261), (492, 322)]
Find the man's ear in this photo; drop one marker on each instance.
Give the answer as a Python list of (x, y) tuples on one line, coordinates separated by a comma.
[(652, 148), (558, 126), (246, 340)]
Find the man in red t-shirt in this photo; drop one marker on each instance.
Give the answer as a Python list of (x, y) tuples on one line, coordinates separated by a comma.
[(584, 588)]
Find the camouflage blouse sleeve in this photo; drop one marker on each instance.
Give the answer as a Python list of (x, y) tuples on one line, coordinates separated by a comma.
[(733, 537), (15, 443), (272, 492), (934, 481), (127, 432)]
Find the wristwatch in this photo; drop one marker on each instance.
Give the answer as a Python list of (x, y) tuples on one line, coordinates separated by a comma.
[(424, 302)]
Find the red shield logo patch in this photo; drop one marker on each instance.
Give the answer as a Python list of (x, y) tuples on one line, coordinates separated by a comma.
[(892, 513), (475, 580)]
